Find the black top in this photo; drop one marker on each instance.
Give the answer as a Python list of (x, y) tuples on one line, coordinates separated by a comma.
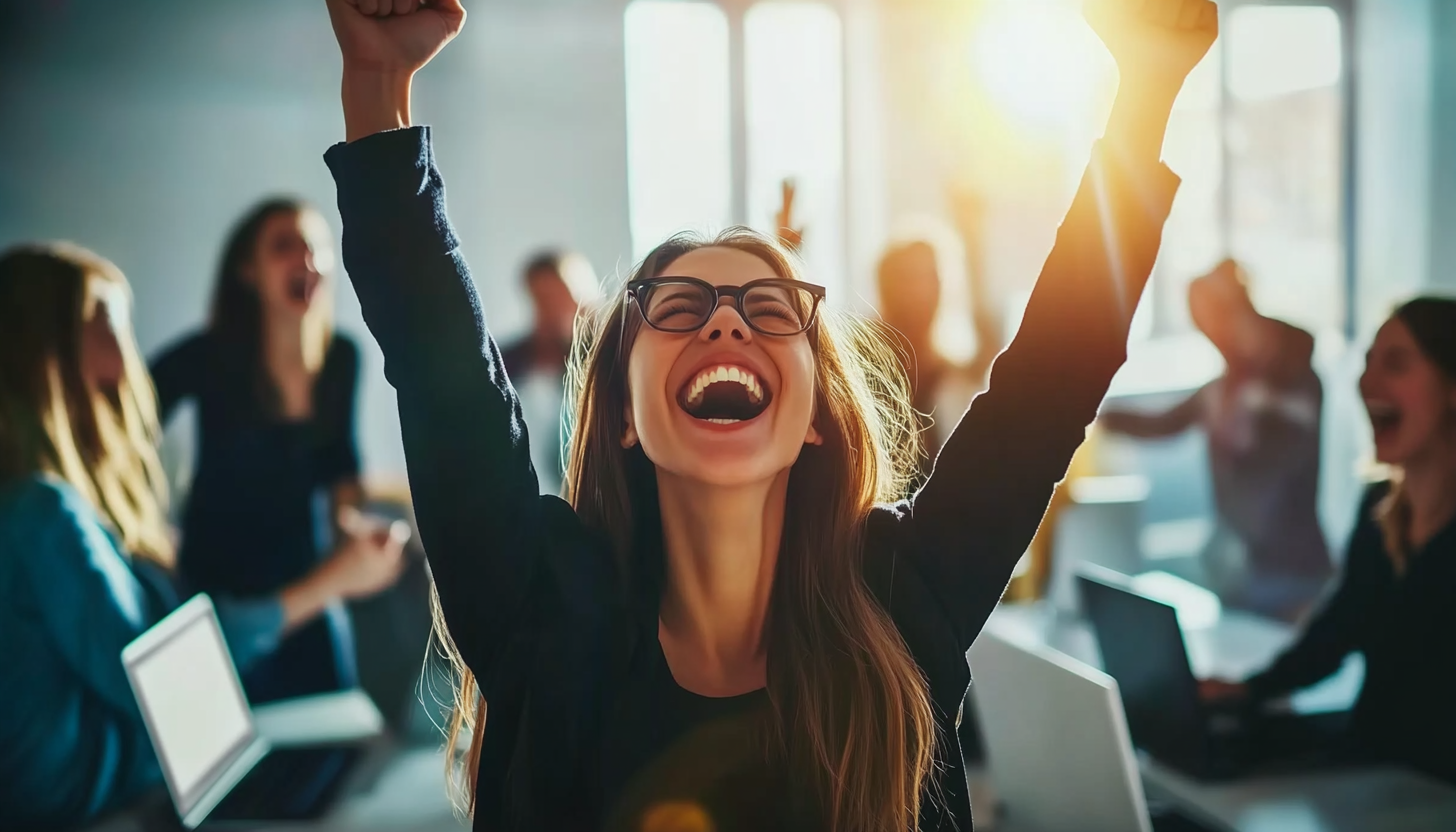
[(256, 516), (674, 751), (1406, 628), (564, 654)]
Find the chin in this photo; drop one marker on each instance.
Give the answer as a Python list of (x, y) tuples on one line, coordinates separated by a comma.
[(730, 470)]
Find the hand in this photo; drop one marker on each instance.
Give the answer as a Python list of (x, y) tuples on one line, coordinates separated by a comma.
[(1156, 43), (369, 557), (393, 36), (791, 237), (1217, 691)]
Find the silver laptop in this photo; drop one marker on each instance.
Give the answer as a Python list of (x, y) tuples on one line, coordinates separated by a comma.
[(1057, 743), (217, 764)]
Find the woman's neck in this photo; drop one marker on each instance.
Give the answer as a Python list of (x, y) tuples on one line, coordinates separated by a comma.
[(283, 345), (288, 346), (1430, 486), (722, 548)]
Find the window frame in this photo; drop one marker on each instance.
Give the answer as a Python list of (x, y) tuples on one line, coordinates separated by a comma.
[(1345, 11), (741, 212)]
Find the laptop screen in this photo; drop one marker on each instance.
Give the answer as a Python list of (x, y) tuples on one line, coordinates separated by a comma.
[(1142, 648), (189, 693)]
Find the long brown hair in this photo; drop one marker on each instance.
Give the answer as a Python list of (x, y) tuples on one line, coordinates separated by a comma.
[(236, 314), (851, 709), (103, 443), (1432, 324)]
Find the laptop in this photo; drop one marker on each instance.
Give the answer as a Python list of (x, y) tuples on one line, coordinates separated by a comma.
[(217, 764), (1057, 744), (1143, 649)]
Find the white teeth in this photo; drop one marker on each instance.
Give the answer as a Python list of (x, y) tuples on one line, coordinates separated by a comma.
[(722, 421), (713, 375)]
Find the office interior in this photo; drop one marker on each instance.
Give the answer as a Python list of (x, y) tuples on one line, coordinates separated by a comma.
[(1316, 145)]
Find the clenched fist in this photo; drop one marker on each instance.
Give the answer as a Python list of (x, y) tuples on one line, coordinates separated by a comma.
[(393, 36), (1155, 42)]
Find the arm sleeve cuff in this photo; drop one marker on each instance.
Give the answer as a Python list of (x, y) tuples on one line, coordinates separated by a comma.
[(391, 196), (253, 627)]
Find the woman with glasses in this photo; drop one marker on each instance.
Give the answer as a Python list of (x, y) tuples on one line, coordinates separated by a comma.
[(728, 622)]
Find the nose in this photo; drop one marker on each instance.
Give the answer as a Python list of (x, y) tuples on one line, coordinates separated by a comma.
[(726, 323)]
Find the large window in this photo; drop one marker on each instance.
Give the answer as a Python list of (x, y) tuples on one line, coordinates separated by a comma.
[(793, 64), (1260, 140), (723, 107), (679, 170)]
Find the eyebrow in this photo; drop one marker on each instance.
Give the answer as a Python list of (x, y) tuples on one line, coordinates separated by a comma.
[(681, 293)]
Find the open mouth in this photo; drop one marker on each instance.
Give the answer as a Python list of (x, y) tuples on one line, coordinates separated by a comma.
[(1385, 417), (301, 288), (725, 395)]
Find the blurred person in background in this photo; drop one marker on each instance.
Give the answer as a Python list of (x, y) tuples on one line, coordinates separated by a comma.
[(1395, 601), (277, 466), (558, 283), (909, 282), (85, 551), (1262, 420)]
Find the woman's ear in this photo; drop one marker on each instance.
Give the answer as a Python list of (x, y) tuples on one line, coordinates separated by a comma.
[(813, 437), (629, 435)]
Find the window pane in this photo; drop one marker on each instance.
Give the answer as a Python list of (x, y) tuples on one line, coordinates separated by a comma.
[(1286, 147), (679, 163), (795, 113), (1193, 239)]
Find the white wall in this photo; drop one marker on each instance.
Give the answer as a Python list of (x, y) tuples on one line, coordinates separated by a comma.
[(144, 130), (1394, 71)]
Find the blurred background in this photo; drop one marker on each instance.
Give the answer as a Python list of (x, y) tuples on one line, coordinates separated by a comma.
[(1313, 144), (1317, 146)]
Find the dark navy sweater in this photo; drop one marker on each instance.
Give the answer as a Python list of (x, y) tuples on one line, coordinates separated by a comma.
[(562, 646)]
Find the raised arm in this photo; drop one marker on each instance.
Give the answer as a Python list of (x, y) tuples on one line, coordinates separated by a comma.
[(981, 507), (475, 492), (1171, 422)]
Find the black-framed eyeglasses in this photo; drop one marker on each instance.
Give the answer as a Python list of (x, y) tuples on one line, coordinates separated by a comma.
[(684, 304)]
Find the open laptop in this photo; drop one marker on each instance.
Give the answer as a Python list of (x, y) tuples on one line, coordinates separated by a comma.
[(1143, 649), (217, 764), (1057, 744)]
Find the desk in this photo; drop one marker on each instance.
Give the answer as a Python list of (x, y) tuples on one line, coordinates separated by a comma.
[(407, 796), (403, 792), (1353, 800), (1348, 800)]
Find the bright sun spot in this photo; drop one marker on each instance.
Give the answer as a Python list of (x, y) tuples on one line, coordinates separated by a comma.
[(1040, 61)]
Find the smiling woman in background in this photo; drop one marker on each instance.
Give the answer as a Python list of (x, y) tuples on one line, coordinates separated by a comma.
[(85, 549), (277, 463), (1396, 602)]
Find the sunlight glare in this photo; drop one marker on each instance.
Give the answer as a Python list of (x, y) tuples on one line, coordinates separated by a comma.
[(1041, 61)]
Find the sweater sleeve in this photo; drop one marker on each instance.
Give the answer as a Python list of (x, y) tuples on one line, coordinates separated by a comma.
[(74, 741), (975, 516), (1334, 631), (176, 373), (90, 601), (466, 449)]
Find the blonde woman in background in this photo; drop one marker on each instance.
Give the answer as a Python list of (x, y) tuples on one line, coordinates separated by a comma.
[(85, 553)]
